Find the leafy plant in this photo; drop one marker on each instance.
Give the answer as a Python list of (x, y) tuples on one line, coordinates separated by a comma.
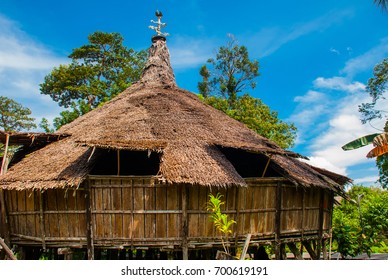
[(221, 220)]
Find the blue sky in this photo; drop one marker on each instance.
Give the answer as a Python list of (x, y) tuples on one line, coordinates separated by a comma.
[(315, 57)]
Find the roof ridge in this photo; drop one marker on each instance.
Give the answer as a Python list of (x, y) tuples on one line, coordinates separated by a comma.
[(158, 70)]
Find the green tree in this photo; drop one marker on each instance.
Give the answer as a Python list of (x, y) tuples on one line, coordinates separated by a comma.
[(383, 4), (221, 220), (13, 116), (224, 82), (256, 116), (377, 90), (98, 72), (360, 224), (231, 73)]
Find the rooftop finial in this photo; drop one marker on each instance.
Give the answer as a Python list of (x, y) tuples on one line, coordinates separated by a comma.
[(159, 26)]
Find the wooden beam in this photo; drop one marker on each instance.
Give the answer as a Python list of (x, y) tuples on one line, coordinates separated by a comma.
[(246, 246), (89, 220), (4, 217), (7, 250), (185, 227), (266, 166), (310, 250), (295, 251)]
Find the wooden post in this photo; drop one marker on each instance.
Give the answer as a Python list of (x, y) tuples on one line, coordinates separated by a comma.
[(324, 250), (310, 250), (320, 221), (237, 217), (7, 250), (118, 162), (4, 217), (246, 245), (185, 247), (89, 220), (266, 167), (41, 219), (277, 221), (295, 251)]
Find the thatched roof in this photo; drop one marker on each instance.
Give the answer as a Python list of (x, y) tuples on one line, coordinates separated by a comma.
[(30, 138), (155, 115)]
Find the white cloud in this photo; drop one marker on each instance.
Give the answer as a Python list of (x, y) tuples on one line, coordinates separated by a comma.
[(311, 97), (273, 38), (368, 60), (334, 105), (23, 64), (189, 52), (338, 83)]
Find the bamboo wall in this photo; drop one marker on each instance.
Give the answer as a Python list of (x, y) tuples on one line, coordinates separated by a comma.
[(139, 211)]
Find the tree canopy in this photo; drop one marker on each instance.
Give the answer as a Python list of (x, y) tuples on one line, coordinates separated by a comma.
[(98, 72), (14, 116), (256, 116), (360, 225), (231, 72), (225, 80)]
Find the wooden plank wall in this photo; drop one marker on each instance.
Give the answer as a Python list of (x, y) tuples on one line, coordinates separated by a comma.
[(135, 210), (63, 215), (140, 211)]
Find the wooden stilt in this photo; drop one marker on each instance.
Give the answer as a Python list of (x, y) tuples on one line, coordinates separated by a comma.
[(310, 250), (283, 255), (246, 245), (295, 251), (325, 255), (89, 221), (185, 248), (7, 250)]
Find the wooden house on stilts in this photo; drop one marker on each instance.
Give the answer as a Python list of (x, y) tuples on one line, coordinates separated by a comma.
[(136, 173)]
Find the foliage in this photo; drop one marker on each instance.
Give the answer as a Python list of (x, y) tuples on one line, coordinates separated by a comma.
[(256, 116), (382, 165), (231, 73), (224, 80), (221, 220), (98, 72), (45, 125), (382, 3), (361, 224), (377, 89), (13, 116)]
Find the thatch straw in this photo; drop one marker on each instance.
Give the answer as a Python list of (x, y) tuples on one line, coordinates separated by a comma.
[(155, 115)]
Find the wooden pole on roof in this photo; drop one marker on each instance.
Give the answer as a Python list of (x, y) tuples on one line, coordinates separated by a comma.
[(4, 216)]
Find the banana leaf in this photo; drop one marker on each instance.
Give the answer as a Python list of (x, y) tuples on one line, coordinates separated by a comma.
[(377, 151), (360, 142)]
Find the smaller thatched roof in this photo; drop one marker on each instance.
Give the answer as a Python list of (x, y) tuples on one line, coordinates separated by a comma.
[(30, 138)]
